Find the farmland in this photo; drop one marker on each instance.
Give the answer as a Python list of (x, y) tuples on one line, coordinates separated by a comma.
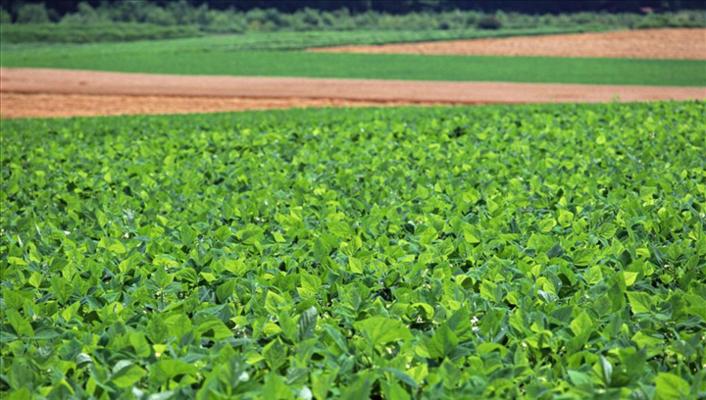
[(486, 200), (239, 56), (496, 251)]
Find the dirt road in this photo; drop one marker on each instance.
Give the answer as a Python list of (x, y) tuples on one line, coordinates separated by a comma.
[(649, 43), (47, 92)]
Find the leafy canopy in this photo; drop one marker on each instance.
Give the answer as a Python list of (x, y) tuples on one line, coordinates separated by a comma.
[(490, 252)]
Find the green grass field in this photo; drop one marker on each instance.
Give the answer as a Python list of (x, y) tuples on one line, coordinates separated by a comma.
[(88, 33), (490, 252), (264, 54), (221, 61), (61, 35)]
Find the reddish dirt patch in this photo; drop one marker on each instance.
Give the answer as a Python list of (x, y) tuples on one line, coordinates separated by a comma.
[(23, 105), (652, 43), (46, 92)]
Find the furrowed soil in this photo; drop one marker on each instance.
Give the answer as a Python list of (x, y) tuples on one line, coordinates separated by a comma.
[(27, 92), (688, 44)]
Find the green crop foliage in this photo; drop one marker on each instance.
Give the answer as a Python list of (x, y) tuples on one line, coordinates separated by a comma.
[(606, 71), (492, 252), (272, 54)]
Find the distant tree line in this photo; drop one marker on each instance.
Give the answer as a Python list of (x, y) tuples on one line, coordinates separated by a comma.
[(90, 21), (180, 18), (56, 9)]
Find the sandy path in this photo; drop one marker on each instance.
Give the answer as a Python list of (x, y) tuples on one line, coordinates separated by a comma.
[(650, 43), (47, 92)]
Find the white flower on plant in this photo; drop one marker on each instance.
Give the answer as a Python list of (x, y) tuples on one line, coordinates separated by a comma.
[(305, 393)]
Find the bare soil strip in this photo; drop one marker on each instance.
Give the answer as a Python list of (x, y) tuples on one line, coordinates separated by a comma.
[(22, 105), (47, 92), (650, 43)]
